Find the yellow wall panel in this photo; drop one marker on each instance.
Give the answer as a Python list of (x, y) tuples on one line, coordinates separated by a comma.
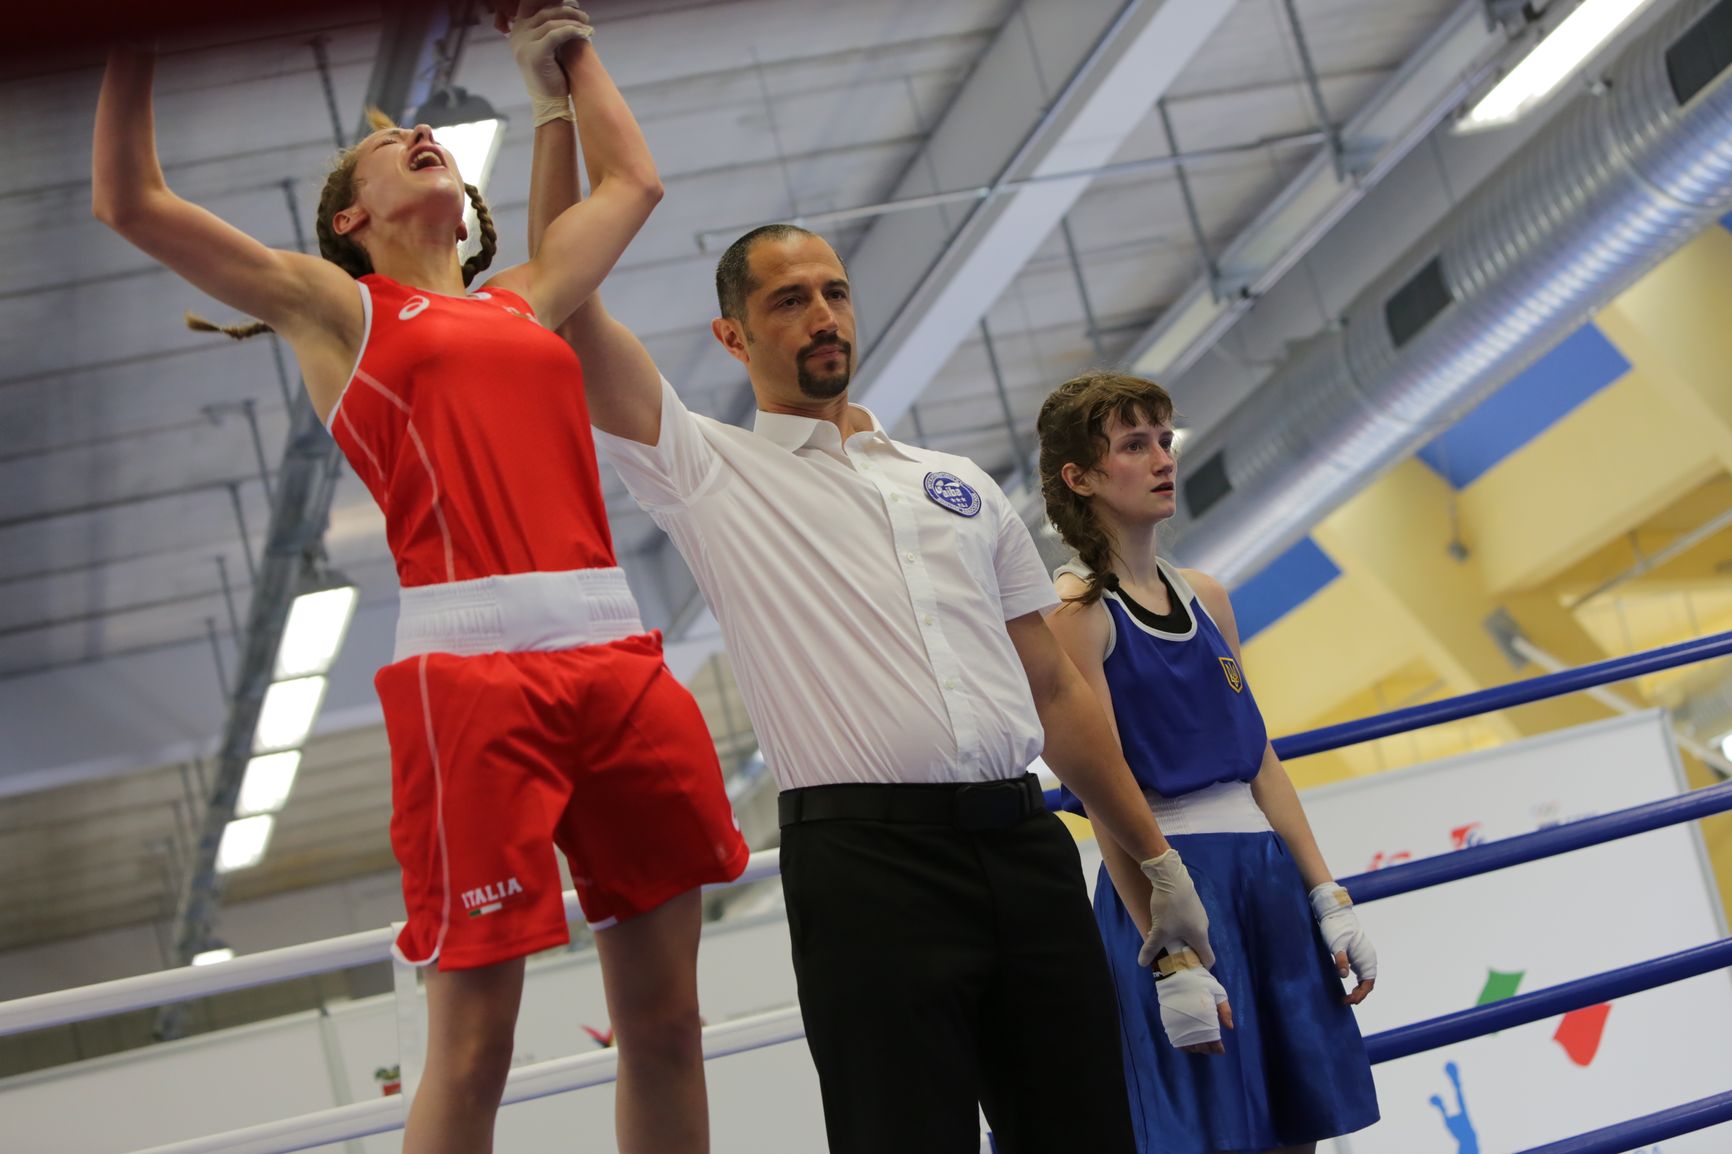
[(1615, 460)]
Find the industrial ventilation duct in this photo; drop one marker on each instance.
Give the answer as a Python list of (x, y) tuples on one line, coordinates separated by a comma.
[(1617, 183)]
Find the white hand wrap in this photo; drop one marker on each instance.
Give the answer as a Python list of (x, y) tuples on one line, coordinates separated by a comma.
[(536, 41), (1188, 1000), (1341, 930), (1176, 915)]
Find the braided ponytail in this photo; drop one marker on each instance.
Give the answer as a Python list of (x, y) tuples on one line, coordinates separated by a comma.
[(1072, 430), (238, 332), (489, 236)]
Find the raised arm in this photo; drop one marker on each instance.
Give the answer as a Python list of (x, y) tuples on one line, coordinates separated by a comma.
[(314, 304), (621, 382), (583, 242)]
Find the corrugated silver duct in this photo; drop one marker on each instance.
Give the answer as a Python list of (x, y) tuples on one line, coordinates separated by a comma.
[(1617, 183)]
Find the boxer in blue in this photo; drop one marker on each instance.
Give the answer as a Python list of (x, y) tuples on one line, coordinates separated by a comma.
[(1159, 647)]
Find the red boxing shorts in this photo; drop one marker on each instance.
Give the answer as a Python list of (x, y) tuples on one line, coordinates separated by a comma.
[(498, 757)]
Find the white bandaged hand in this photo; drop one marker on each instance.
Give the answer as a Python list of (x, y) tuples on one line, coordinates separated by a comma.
[(1190, 1000), (1176, 915), (1343, 934), (536, 41)]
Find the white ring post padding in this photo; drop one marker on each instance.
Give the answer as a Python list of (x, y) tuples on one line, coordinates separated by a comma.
[(411, 1025), (166, 987), (558, 1076)]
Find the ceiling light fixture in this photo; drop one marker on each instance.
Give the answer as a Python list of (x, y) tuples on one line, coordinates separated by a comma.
[(1553, 60), (288, 713), (267, 783), (318, 621), (244, 843)]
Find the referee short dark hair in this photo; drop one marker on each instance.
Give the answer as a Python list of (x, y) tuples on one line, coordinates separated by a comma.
[(734, 278)]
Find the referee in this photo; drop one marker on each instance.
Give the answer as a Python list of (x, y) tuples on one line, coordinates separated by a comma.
[(882, 604)]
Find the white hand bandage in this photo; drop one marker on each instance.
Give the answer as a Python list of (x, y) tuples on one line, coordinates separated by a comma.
[(1176, 915), (1188, 999), (536, 42), (1341, 930)]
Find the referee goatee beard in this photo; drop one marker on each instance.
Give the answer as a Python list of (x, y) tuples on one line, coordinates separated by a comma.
[(825, 386)]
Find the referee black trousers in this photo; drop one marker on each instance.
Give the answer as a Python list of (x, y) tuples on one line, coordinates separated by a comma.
[(944, 965)]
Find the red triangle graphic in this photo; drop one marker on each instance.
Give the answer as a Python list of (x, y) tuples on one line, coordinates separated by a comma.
[(1580, 1032)]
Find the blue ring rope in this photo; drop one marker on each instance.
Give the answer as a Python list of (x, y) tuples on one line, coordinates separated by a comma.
[(1503, 696), (1622, 1136), (1448, 1029), (1490, 700), (1511, 851)]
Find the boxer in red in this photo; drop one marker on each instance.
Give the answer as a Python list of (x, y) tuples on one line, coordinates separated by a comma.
[(526, 707)]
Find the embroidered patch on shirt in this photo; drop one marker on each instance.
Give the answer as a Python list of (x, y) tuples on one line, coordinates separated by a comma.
[(953, 493), (1234, 677)]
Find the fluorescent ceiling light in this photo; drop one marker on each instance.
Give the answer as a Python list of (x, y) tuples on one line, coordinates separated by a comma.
[(288, 713), (1564, 50), (244, 842), (318, 621), (212, 957), (474, 146), (268, 780)]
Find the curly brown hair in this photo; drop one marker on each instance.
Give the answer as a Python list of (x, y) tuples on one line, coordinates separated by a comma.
[(346, 253), (1072, 429)]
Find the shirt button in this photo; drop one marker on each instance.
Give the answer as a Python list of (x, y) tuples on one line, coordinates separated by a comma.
[(950, 683), (930, 619), (895, 498), (908, 557)]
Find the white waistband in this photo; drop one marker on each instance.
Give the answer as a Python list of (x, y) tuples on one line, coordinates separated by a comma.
[(1225, 807), (517, 612)]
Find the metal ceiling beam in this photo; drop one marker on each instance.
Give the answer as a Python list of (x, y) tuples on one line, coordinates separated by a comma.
[(1426, 88), (1120, 59), (299, 513)]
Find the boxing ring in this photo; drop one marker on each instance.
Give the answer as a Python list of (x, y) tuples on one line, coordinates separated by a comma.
[(559, 1076)]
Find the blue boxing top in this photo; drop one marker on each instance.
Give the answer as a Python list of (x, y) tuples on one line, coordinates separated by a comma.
[(1185, 715)]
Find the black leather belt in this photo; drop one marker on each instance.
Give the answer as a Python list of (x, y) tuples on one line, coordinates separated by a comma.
[(972, 806)]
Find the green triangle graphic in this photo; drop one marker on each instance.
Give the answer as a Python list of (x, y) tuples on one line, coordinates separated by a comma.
[(1500, 985)]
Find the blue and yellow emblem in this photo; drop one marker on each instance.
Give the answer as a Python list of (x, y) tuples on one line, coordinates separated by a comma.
[(1234, 677)]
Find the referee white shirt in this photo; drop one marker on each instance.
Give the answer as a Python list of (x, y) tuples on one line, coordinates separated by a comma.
[(861, 587)]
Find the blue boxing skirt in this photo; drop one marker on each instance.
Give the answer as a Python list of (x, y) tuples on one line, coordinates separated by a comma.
[(1295, 1068)]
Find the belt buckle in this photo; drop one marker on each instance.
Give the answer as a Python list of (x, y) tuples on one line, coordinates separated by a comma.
[(982, 806)]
